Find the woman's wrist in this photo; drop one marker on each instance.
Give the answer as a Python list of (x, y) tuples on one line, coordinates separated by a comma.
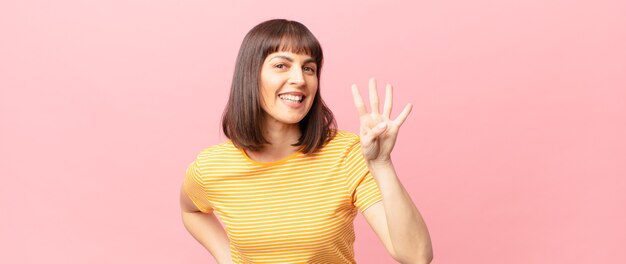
[(380, 163)]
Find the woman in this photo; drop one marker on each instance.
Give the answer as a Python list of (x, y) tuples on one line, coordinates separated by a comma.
[(288, 184)]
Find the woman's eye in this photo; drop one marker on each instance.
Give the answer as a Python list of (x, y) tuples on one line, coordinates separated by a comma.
[(309, 69), (280, 66)]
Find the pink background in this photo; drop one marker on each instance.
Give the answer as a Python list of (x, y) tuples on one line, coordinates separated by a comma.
[(514, 153)]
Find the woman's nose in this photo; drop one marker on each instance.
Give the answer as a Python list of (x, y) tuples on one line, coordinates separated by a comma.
[(296, 76)]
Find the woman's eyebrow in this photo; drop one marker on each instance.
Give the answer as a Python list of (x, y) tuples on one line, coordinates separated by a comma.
[(290, 59)]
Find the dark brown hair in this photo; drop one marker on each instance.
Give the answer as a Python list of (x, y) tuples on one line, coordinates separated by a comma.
[(242, 120)]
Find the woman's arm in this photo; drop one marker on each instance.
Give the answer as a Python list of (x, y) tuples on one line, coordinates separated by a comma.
[(206, 229), (397, 222)]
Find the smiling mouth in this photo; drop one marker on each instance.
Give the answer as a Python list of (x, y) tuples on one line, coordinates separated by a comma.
[(292, 98)]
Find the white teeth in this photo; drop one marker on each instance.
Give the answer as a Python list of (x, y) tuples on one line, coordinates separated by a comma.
[(290, 97)]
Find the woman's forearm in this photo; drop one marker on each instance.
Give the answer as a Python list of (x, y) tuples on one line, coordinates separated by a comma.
[(207, 230), (407, 229)]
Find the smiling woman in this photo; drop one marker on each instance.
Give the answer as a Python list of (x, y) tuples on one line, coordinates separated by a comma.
[(266, 60), (287, 184), (288, 87)]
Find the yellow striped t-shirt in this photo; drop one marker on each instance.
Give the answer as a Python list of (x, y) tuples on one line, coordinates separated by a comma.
[(296, 210)]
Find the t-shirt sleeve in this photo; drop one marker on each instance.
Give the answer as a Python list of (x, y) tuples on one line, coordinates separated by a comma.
[(361, 183), (194, 188)]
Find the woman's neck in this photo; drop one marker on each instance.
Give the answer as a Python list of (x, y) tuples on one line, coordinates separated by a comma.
[(281, 138)]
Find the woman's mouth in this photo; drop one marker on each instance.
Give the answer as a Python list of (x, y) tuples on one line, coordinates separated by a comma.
[(292, 98)]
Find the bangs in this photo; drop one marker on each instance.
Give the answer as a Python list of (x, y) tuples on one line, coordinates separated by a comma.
[(293, 38)]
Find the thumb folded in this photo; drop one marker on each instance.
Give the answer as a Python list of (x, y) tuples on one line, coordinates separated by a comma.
[(380, 128)]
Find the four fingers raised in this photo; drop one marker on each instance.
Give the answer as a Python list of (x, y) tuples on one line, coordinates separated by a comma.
[(373, 95)]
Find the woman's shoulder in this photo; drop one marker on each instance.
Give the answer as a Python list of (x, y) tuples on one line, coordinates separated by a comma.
[(226, 148), (345, 137), (343, 140)]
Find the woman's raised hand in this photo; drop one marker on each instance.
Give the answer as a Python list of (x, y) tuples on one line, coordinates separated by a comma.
[(378, 132)]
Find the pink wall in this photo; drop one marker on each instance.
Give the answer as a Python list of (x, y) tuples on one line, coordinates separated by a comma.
[(514, 153)]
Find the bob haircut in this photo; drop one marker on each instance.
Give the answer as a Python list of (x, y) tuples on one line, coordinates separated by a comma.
[(242, 120)]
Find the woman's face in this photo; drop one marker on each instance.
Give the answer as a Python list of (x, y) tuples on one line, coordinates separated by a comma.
[(288, 86)]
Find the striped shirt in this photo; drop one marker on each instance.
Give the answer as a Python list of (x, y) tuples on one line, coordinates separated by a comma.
[(296, 210)]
